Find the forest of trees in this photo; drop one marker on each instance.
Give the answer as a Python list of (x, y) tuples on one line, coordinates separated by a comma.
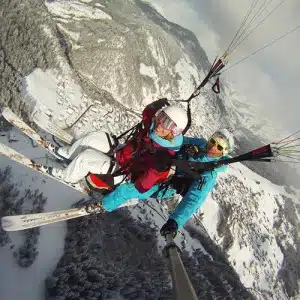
[(13, 202), (290, 269), (112, 256)]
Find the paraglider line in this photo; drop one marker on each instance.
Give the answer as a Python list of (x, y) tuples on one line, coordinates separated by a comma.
[(257, 25), (286, 137), (290, 157), (289, 151), (241, 26), (233, 47), (289, 147), (288, 142), (268, 45), (288, 161)]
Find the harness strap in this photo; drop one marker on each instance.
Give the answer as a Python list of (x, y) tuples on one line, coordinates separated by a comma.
[(109, 141), (112, 145), (111, 165)]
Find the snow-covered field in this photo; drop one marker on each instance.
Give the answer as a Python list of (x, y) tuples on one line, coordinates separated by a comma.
[(15, 282), (76, 10), (255, 254)]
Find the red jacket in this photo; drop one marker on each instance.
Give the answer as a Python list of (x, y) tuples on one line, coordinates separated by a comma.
[(138, 155)]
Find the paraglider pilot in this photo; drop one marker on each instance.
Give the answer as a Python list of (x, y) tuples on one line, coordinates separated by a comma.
[(194, 192)]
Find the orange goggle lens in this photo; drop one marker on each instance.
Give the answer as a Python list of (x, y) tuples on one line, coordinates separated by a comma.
[(164, 120)]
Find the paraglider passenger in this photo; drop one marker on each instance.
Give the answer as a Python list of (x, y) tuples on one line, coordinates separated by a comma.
[(158, 139)]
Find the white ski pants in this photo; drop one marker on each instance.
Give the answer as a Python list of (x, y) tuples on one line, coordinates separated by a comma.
[(88, 155), (97, 140)]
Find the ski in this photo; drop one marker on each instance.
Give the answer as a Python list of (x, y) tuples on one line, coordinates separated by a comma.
[(29, 163), (53, 129), (16, 121), (22, 222)]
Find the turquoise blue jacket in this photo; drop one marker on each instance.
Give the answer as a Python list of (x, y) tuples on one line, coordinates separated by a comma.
[(199, 189), (192, 200)]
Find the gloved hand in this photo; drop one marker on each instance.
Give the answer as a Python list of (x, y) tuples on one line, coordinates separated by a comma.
[(170, 227), (192, 150), (162, 160)]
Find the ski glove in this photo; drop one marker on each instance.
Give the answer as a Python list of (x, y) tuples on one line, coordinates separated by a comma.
[(170, 227), (192, 150), (162, 160)]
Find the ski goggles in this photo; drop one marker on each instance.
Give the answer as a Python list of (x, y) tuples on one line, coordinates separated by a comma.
[(219, 142), (166, 122)]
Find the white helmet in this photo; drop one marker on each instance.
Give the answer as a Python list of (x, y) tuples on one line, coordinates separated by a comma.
[(228, 137), (177, 115)]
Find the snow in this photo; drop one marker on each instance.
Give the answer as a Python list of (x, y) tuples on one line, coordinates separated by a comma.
[(39, 82), (148, 94), (16, 283), (187, 72), (99, 5), (76, 10), (211, 215), (148, 71), (74, 35), (157, 51), (101, 40), (50, 93), (256, 260)]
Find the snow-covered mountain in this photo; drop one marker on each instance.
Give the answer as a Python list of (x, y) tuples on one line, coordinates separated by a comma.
[(60, 59)]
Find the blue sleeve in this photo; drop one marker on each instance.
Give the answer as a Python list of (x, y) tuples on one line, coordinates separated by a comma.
[(215, 171), (170, 192), (123, 193), (193, 199), (201, 142)]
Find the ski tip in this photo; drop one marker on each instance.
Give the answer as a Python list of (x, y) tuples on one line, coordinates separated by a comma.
[(5, 109), (2, 109), (7, 224)]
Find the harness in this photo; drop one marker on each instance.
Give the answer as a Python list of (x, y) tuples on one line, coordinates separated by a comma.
[(137, 139), (182, 182), (134, 135)]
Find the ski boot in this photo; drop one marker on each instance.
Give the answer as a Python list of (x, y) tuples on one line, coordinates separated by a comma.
[(95, 208), (62, 154)]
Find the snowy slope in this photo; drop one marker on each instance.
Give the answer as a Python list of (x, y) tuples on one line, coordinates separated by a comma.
[(246, 208), (51, 240)]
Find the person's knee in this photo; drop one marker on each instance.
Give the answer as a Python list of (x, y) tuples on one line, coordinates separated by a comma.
[(100, 141), (95, 135), (96, 161), (89, 137), (88, 154)]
